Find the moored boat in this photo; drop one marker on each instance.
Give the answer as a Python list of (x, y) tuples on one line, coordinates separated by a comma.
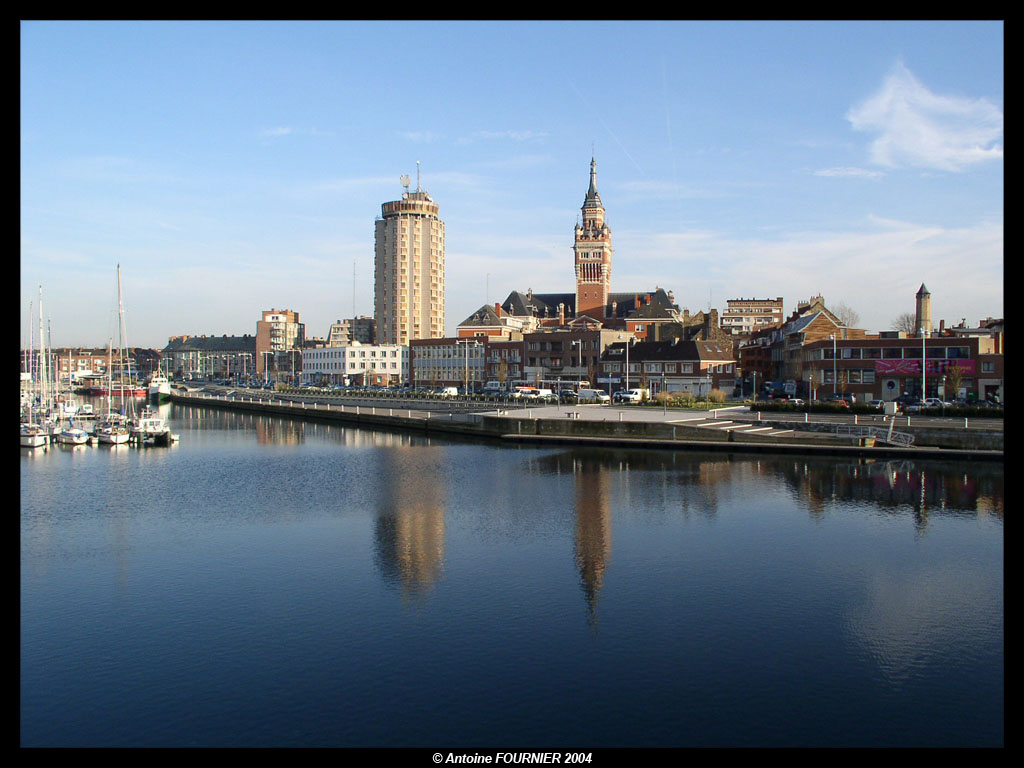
[(72, 435), (159, 388), (150, 427), (33, 436)]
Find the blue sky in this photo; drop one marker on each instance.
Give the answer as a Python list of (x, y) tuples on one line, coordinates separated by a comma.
[(232, 167)]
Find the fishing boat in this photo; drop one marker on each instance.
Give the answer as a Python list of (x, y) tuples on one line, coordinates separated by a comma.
[(150, 428), (159, 387)]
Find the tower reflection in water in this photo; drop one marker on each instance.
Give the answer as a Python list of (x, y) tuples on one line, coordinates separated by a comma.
[(410, 529)]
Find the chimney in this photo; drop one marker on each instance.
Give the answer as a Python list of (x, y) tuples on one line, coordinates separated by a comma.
[(942, 326), (648, 299), (497, 308), (561, 313)]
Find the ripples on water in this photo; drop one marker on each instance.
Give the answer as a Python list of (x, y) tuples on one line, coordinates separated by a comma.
[(275, 583)]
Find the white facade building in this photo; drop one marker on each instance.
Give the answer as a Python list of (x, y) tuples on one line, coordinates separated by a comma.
[(356, 364)]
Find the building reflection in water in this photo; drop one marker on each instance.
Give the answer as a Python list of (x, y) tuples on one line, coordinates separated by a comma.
[(410, 528), (895, 487), (628, 481)]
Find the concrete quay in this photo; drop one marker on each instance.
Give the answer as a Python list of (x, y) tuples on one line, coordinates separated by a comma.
[(727, 430)]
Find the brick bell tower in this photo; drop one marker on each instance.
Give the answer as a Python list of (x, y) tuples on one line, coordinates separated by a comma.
[(593, 255)]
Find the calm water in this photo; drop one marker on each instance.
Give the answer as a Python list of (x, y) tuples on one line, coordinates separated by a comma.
[(273, 583)]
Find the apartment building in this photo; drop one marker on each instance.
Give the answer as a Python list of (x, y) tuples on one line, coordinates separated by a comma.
[(750, 315), (409, 270), (278, 332)]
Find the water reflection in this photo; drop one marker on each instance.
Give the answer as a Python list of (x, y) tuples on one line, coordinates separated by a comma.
[(410, 527)]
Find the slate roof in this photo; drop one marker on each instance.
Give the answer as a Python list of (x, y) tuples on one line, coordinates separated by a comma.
[(245, 343), (666, 350), (632, 304), (485, 316)]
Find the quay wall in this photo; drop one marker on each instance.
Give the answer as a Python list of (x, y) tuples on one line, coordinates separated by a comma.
[(635, 434)]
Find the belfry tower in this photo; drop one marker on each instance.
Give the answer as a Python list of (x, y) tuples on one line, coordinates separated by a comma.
[(593, 254)]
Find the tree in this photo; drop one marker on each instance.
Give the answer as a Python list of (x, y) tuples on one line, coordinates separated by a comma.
[(847, 316), (955, 378), (906, 322)]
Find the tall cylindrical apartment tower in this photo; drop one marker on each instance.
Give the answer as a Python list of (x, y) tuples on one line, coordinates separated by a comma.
[(409, 270)]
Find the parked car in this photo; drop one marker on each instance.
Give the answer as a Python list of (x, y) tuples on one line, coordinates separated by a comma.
[(878, 404), (935, 402)]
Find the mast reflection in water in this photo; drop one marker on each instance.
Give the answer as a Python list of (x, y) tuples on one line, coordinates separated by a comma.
[(277, 583)]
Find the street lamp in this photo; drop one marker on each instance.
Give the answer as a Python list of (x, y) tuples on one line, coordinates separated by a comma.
[(833, 337), (924, 362), (266, 366), (467, 343)]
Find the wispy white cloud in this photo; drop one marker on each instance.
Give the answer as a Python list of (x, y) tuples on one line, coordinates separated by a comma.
[(918, 128), (282, 130), (849, 172)]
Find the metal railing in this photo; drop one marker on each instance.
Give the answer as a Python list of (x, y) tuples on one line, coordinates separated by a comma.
[(883, 435)]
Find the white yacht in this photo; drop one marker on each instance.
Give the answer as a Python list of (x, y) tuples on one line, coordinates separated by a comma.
[(33, 436), (72, 435)]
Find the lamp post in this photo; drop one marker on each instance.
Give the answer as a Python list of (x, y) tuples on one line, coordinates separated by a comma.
[(467, 343), (833, 337), (627, 364), (924, 363), (578, 343)]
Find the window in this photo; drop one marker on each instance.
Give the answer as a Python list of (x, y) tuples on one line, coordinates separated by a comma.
[(988, 367)]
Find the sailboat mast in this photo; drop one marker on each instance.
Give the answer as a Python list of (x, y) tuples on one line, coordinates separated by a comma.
[(42, 354), (120, 338)]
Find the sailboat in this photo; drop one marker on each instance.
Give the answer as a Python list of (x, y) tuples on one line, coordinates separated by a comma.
[(35, 432), (113, 427), (72, 435), (149, 427)]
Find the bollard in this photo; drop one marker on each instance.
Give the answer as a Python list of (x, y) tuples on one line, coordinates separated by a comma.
[(855, 422), (806, 415), (965, 422)]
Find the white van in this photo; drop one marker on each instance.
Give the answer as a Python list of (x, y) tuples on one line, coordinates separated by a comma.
[(449, 392), (591, 396), (493, 387), (631, 395)]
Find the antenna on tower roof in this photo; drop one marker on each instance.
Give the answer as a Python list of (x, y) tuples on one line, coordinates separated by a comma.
[(405, 182), (418, 176)]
